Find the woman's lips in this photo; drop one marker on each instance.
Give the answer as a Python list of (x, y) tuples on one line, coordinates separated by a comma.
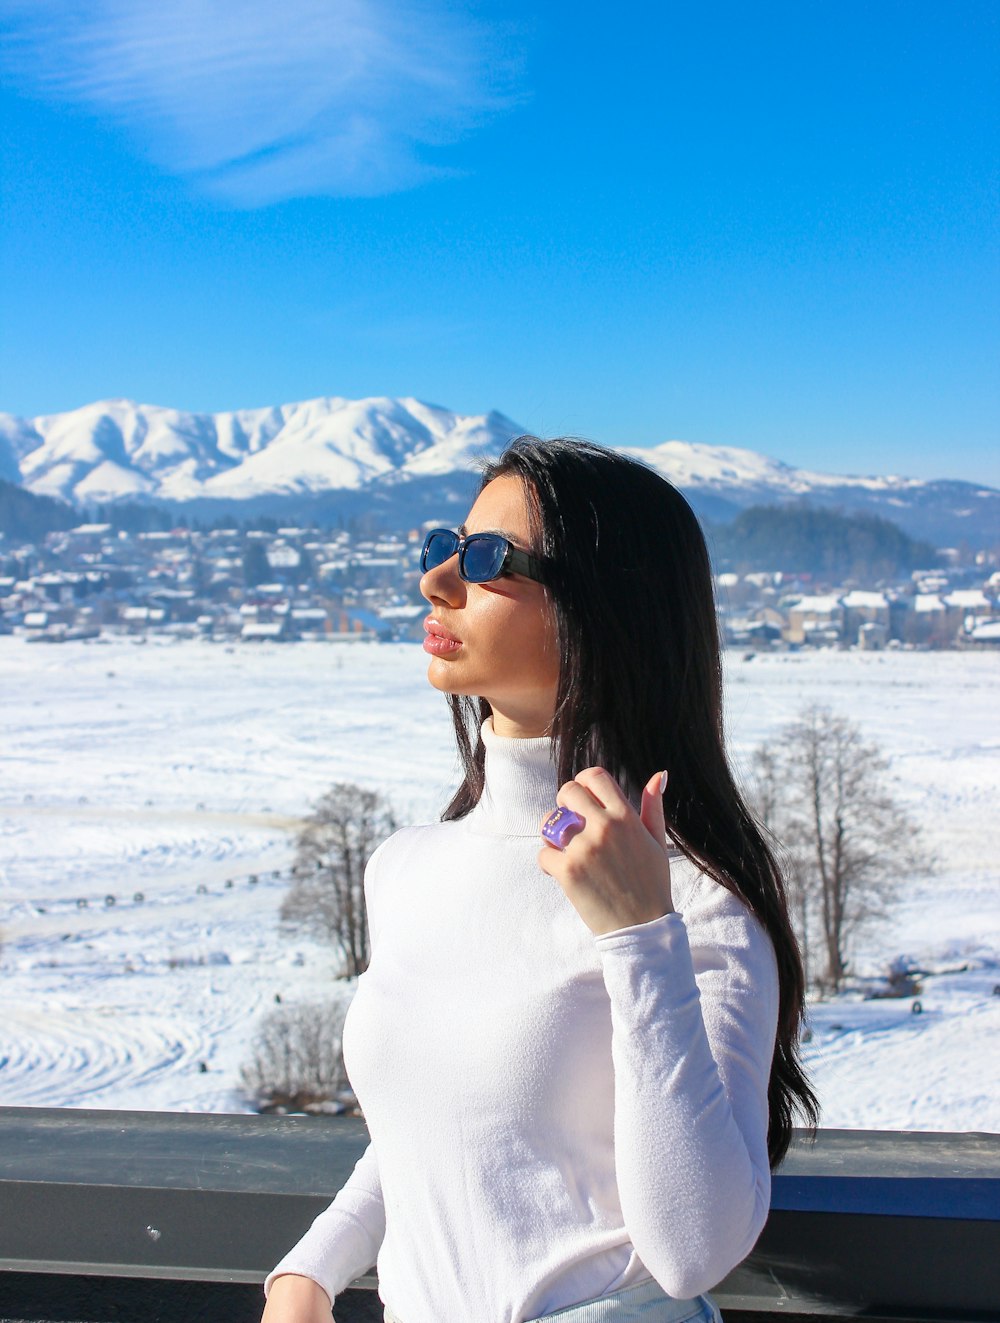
[(438, 641)]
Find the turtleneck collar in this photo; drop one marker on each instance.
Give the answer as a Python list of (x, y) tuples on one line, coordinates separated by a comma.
[(521, 785)]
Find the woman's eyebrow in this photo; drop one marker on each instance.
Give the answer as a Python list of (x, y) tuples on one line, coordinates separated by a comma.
[(499, 532)]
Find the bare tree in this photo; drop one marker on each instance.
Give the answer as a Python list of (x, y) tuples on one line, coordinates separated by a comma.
[(331, 850), (823, 791), (768, 794), (296, 1063)]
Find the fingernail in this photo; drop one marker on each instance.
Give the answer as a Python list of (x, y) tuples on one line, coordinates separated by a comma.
[(663, 783)]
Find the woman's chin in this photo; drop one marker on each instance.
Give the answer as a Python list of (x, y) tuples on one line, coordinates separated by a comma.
[(442, 675)]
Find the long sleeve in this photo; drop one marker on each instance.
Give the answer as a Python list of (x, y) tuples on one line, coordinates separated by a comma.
[(344, 1240), (693, 1012)]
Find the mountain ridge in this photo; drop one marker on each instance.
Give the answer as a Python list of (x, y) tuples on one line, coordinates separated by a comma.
[(398, 454)]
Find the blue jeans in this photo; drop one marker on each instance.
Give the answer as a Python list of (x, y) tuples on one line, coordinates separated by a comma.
[(645, 1302)]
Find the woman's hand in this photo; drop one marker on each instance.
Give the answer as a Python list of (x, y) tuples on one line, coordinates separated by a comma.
[(296, 1299), (615, 869)]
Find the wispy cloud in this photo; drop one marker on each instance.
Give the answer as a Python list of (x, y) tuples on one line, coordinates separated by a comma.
[(259, 100)]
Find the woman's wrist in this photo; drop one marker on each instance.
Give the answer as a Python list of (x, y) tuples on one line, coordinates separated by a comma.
[(629, 926)]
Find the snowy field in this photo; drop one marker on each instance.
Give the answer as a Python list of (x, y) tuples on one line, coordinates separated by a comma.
[(168, 775)]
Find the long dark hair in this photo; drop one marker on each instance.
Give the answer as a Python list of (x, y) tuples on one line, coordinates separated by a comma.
[(640, 688)]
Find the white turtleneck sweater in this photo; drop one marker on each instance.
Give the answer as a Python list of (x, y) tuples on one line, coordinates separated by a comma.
[(553, 1115)]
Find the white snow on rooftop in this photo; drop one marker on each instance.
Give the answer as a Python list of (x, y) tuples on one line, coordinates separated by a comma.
[(820, 605), (964, 598), (262, 629)]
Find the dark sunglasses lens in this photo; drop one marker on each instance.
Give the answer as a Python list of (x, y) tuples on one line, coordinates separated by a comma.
[(439, 547), (482, 558)]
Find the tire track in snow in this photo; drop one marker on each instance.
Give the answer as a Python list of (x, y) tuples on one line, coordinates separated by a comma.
[(69, 1055)]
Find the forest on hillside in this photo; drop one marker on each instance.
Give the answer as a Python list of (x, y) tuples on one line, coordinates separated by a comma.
[(824, 543)]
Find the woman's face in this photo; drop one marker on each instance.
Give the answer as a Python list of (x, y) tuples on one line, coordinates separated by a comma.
[(495, 640)]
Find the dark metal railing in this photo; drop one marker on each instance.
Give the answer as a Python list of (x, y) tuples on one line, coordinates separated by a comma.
[(173, 1208)]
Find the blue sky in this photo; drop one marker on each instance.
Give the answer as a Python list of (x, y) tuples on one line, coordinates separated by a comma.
[(771, 226)]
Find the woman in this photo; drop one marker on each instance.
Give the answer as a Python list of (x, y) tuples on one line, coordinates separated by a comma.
[(576, 1052)]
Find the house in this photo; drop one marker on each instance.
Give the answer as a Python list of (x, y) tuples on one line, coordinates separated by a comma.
[(924, 620), (985, 634), (815, 620), (873, 636), (138, 619), (310, 621), (928, 604), (402, 621), (763, 627), (356, 623), (265, 631), (282, 557), (865, 608), (965, 602)]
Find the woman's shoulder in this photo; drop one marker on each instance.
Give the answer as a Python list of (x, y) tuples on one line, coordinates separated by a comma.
[(392, 866), (403, 838), (404, 842)]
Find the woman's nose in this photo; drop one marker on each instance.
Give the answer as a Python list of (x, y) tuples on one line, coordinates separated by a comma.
[(443, 583)]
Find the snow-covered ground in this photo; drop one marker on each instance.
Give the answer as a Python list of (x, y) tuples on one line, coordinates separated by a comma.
[(167, 776)]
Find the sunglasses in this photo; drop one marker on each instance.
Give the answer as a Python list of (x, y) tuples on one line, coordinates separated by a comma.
[(481, 556)]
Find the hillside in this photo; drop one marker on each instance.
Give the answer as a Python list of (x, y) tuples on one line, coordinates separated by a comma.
[(835, 547), (402, 461), (27, 518)]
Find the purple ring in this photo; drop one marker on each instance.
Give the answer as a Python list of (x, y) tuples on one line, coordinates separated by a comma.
[(560, 826)]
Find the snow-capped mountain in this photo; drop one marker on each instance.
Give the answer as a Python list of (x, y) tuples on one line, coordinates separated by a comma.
[(404, 456), (722, 480), (116, 450), (727, 469)]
